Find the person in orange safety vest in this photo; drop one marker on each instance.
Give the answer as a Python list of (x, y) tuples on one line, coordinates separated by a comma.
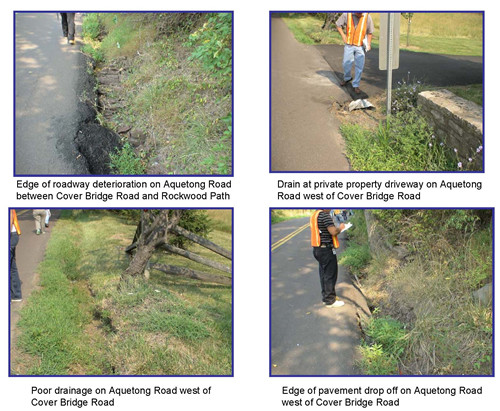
[(357, 39), (324, 242), (15, 281)]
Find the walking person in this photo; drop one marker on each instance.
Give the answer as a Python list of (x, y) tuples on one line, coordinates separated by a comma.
[(68, 26), (357, 39), (47, 218), (39, 216), (324, 242), (15, 281)]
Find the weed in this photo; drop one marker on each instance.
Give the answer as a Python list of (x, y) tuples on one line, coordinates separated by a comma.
[(125, 161)]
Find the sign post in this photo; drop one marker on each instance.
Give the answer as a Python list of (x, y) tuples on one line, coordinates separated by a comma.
[(389, 49)]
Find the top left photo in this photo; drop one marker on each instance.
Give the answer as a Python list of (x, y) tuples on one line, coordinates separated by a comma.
[(115, 93)]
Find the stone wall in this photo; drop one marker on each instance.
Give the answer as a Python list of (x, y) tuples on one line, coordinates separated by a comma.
[(456, 121)]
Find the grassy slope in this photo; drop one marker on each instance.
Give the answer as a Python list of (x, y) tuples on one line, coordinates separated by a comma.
[(277, 216), (430, 295), (184, 109), (80, 323), (437, 33)]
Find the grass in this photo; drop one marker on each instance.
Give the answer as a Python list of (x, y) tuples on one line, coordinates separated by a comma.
[(176, 91), (436, 33), (80, 322), (473, 92), (278, 216), (429, 296)]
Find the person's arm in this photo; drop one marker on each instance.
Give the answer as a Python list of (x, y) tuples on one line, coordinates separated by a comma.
[(336, 230), (369, 42), (341, 32)]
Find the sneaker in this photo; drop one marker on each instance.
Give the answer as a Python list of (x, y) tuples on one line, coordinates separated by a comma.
[(72, 42), (46, 226), (336, 304), (38, 232)]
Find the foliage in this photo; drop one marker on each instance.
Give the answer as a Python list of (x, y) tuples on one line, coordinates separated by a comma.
[(91, 26), (404, 143), (405, 95), (213, 45), (389, 340), (126, 162), (196, 221), (356, 256), (278, 215)]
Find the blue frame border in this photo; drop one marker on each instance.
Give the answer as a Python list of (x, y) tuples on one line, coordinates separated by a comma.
[(144, 375), (125, 175), (354, 171), (390, 376)]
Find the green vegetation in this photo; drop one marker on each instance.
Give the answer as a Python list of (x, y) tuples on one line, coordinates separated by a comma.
[(388, 342), (125, 161), (436, 33), (426, 320), (177, 86), (277, 216), (404, 142), (81, 322)]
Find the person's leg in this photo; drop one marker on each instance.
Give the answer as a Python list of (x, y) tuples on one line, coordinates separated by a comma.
[(331, 274), (318, 256), (359, 64), (64, 22), (71, 26), (15, 282), (348, 61)]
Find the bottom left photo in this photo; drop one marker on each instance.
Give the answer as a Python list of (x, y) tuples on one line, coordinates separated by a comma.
[(121, 292)]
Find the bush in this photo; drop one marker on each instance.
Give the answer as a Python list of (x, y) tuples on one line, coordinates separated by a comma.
[(126, 162), (213, 43), (91, 26)]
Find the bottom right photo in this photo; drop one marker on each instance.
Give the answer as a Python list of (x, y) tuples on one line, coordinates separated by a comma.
[(404, 292)]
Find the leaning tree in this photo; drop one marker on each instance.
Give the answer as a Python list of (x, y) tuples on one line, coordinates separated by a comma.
[(153, 233)]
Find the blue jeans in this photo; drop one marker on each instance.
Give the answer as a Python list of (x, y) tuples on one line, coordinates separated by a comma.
[(15, 281), (356, 55)]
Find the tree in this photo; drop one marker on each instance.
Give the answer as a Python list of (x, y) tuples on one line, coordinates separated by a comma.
[(329, 19), (153, 233), (408, 16)]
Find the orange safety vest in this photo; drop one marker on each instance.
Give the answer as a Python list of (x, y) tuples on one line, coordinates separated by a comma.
[(16, 223), (355, 35), (315, 232)]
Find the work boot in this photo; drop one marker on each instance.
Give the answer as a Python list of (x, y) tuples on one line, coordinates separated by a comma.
[(38, 232)]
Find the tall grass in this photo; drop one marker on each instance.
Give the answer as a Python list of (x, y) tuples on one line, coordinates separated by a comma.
[(430, 293), (279, 215), (84, 320)]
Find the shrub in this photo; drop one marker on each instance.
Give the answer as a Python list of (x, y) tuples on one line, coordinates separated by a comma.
[(125, 161), (213, 43)]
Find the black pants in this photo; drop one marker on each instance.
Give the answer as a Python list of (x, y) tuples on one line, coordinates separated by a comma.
[(328, 273), (68, 25), (15, 282)]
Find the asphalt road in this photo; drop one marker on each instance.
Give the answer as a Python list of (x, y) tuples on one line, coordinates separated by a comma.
[(306, 337), (48, 74), (304, 133), (433, 69)]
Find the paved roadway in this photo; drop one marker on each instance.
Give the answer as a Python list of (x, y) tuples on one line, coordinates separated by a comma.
[(48, 76), (433, 69), (305, 134), (306, 337)]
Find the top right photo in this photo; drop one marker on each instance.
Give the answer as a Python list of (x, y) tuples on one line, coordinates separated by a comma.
[(377, 92)]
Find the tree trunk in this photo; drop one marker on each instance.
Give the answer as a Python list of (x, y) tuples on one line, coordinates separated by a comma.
[(202, 241), (193, 274), (151, 234), (197, 258)]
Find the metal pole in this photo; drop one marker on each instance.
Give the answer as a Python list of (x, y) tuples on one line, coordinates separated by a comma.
[(390, 41)]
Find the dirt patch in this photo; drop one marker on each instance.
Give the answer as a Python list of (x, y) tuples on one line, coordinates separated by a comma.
[(366, 118)]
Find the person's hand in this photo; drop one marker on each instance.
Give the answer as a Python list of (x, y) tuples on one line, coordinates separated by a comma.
[(368, 47), (341, 226)]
